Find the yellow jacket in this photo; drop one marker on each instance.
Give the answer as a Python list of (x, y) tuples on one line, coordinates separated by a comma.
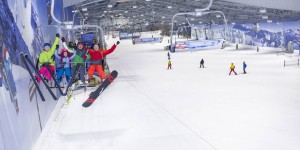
[(169, 63), (232, 66), (46, 56)]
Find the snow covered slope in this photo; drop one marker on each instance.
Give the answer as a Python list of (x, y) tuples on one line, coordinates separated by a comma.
[(151, 108)]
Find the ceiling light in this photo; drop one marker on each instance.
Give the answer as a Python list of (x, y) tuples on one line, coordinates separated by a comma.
[(105, 11), (162, 16), (133, 16), (142, 14), (120, 14), (233, 23), (84, 9), (153, 12), (269, 21), (218, 15), (192, 19), (134, 6), (198, 13), (200, 22), (169, 7), (148, 0), (263, 10), (109, 6), (126, 11), (264, 17), (175, 20)]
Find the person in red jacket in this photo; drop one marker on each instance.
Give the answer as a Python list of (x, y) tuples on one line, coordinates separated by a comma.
[(96, 58)]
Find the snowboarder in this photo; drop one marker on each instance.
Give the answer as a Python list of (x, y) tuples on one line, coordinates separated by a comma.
[(169, 57), (232, 69), (169, 64), (64, 64), (202, 63), (96, 58), (46, 59), (244, 67)]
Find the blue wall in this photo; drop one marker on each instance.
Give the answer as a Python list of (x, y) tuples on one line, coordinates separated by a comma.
[(264, 34), (22, 113)]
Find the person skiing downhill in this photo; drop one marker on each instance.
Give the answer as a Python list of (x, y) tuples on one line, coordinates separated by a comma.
[(46, 59), (169, 64), (169, 57), (96, 58), (244, 67), (64, 64), (232, 69), (202, 63)]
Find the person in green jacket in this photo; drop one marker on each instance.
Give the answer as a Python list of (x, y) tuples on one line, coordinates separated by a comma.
[(81, 56), (46, 59)]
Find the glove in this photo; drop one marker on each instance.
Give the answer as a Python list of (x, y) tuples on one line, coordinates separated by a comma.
[(63, 39), (57, 35), (118, 42)]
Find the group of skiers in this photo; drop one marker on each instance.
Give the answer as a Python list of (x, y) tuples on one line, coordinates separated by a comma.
[(232, 67), (72, 54)]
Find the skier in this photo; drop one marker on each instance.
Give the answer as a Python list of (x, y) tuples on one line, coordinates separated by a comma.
[(244, 67), (96, 58), (46, 59), (257, 49), (232, 69), (202, 63), (80, 58), (169, 64), (169, 57), (237, 46), (64, 64)]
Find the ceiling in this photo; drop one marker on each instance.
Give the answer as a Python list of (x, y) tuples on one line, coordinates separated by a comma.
[(160, 12)]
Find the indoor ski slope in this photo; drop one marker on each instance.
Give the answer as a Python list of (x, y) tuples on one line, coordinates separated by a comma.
[(148, 107)]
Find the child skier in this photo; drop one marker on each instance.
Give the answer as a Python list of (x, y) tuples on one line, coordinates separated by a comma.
[(80, 57), (244, 67), (232, 69), (96, 58), (64, 64), (169, 57), (169, 64), (46, 59)]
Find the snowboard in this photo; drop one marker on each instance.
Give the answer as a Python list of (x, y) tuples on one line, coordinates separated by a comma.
[(93, 96)]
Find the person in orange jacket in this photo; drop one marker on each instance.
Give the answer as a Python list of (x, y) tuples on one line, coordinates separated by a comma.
[(96, 59)]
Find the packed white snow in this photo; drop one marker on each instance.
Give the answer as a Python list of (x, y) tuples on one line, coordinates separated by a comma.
[(148, 107)]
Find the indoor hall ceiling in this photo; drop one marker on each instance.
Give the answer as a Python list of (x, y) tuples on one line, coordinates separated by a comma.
[(161, 11)]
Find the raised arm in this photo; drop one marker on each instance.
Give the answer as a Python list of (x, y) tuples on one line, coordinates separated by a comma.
[(106, 52), (65, 45), (56, 55), (53, 47)]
